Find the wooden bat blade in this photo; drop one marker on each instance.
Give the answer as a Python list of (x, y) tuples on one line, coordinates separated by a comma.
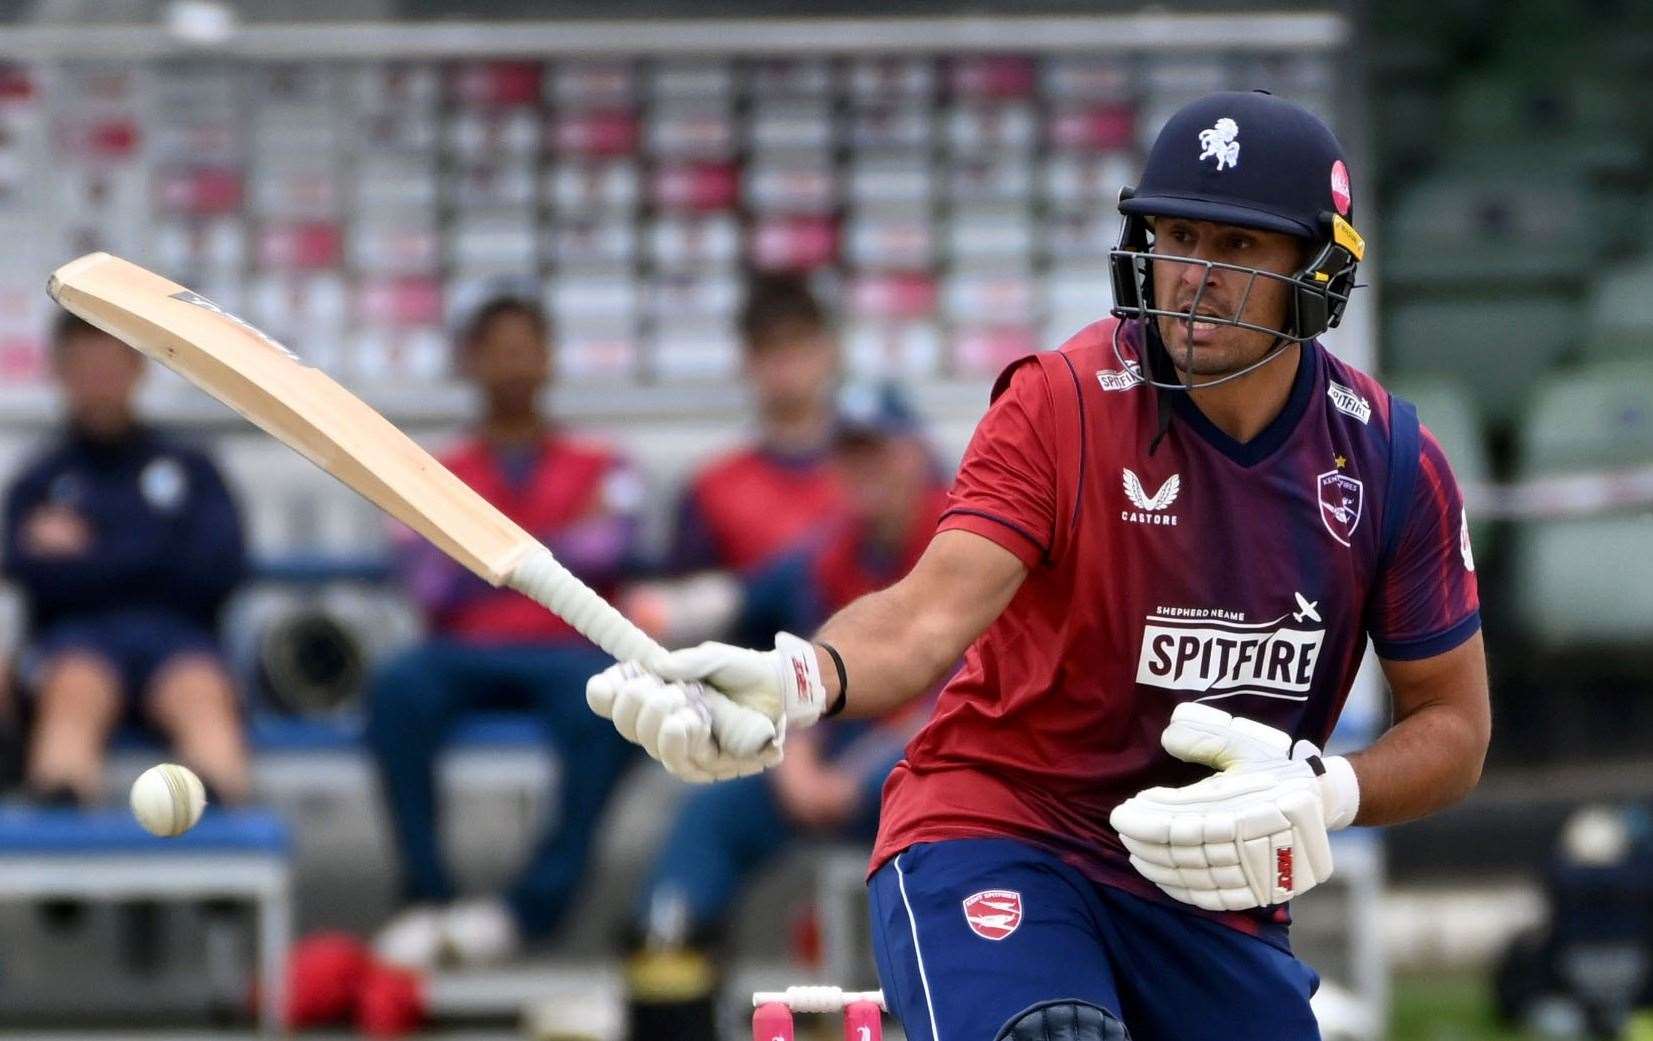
[(307, 411), (293, 402)]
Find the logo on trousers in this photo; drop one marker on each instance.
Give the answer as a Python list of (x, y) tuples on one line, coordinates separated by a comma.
[(993, 914)]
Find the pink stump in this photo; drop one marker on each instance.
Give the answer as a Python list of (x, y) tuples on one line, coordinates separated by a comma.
[(773, 1022), (863, 1021)]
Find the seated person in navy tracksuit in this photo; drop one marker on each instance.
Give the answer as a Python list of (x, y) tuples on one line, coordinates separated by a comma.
[(125, 544), (831, 779), (493, 648)]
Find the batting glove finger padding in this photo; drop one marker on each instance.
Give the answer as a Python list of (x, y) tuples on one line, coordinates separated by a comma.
[(678, 723), (1253, 835), (767, 691)]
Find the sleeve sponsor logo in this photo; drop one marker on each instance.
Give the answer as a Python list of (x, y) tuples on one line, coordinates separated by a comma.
[(1349, 403), (1117, 379)]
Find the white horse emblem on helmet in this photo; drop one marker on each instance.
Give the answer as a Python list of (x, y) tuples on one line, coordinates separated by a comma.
[(1221, 143)]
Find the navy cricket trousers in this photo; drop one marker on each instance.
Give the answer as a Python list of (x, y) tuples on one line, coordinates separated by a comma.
[(971, 932)]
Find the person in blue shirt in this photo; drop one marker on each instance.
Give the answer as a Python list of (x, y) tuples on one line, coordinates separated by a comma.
[(125, 544)]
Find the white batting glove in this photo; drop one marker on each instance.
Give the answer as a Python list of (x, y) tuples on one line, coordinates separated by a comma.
[(673, 722), (1253, 835), (772, 689)]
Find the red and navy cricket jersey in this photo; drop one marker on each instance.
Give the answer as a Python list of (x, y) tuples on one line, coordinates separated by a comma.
[(744, 508), (1245, 575)]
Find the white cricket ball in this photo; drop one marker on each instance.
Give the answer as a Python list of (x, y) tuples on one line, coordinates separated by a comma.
[(168, 799)]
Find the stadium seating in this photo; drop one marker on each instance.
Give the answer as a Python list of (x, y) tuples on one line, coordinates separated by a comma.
[(497, 731), (1472, 229), (1491, 345), (1561, 37), (1585, 582), (105, 855), (1620, 319), (1576, 121), (1589, 418)]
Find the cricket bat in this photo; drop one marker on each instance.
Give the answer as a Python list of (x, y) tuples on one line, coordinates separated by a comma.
[(306, 410)]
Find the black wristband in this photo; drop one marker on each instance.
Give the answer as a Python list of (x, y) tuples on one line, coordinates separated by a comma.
[(843, 681)]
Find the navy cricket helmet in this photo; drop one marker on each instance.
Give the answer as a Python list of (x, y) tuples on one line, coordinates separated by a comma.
[(1256, 161)]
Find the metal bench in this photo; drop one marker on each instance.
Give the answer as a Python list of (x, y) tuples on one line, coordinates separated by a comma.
[(105, 855)]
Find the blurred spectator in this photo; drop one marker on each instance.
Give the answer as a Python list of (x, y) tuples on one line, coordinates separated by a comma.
[(741, 509), (11, 737), (125, 545), (830, 782), (490, 648)]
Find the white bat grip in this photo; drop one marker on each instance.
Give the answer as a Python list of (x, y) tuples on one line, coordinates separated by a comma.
[(817, 999), (539, 577)]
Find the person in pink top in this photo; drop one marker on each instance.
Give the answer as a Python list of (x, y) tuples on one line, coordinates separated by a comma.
[(492, 648), (1167, 548)]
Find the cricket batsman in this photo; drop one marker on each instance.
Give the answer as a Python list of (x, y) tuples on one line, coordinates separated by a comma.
[(1166, 548)]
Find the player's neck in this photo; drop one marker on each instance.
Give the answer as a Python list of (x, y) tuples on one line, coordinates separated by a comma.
[(1243, 408), (804, 433), (513, 430), (105, 430)]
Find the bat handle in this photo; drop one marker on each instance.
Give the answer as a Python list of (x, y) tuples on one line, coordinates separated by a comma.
[(541, 578)]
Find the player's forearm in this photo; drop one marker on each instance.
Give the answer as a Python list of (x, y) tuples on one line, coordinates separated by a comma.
[(1425, 762), (893, 651)]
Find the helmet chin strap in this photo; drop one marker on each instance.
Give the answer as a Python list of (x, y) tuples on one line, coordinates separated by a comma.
[(1150, 329)]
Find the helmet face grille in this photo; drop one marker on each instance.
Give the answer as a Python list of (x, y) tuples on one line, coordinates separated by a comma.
[(1317, 293), (1316, 297), (1145, 307)]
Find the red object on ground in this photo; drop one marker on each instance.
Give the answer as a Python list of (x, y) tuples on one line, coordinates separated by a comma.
[(805, 938), (392, 1002), (324, 976)]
